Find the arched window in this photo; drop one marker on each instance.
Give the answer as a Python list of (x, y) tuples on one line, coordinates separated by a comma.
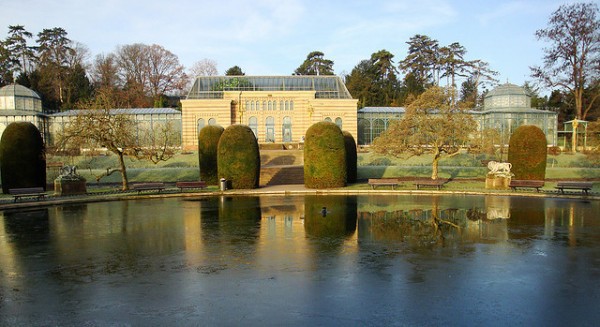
[(270, 105), (264, 105), (212, 121), (286, 130), (270, 129), (338, 122), (281, 105), (287, 105), (247, 106), (253, 124), (200, 124), (328, 119)]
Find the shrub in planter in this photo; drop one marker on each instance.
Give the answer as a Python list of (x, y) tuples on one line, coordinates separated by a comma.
[(527, 152), (324, 156), (208, 142), (22, 157), (238, 157)]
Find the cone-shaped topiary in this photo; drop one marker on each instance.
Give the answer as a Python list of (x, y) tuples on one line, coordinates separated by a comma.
[(351, 157), (324, 156), (528, 153), (208, 142), (238, 157), (22, 160)]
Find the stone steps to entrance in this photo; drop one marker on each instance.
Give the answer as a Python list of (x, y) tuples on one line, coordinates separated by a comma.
[(281, 175)]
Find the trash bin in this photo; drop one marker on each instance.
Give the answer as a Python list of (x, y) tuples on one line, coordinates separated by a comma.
[(223, 184)]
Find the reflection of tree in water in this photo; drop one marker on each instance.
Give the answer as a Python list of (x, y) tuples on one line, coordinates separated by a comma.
[(330, 219), (239, 218), (27, 227)]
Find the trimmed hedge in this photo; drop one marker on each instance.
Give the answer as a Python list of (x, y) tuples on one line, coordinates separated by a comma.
[(22, 157), (351, 157), (238, 157), (528, 153), (208, 143), (324, 156)]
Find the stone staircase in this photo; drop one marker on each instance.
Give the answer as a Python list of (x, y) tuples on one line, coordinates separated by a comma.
[(281, 175), (281, 167)]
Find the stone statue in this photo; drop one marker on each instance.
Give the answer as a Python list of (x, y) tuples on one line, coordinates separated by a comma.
[(500, 169)]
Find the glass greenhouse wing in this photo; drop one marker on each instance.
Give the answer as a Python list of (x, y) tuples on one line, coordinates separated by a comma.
[(212, 87)]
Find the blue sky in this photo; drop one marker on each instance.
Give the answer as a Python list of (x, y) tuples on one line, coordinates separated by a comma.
[(273, 37)]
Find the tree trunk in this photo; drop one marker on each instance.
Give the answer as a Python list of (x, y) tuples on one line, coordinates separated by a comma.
[(124, 179), (435, 165)]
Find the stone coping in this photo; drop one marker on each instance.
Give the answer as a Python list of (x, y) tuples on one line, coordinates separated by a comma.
[(279, 190)]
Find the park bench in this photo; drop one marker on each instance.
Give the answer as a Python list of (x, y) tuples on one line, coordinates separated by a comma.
[(27, 192), (437, 183), (140, 187), (583, 186), (520, 183), (198, 184), (393, 182)]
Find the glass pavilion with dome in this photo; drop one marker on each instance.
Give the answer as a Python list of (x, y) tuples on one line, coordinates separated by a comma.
[(18, 103), (505, 108)]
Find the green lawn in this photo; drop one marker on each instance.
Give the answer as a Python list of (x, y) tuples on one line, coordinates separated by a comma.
[(185, 166)]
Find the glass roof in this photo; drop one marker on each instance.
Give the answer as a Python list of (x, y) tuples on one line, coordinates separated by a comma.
[(132, 111), (16, 90), (212, 87)]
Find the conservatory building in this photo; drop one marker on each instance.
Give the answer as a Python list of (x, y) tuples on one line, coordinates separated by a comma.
[(505, 108), (18, 104), (278, 109)]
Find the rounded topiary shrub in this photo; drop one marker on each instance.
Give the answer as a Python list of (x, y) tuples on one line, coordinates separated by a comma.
[(238, 157), (527, 152), (22, 160), (351, 157), (324, 156), (208, 142)]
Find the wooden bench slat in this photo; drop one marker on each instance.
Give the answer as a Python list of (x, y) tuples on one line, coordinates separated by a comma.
[(573, 185), (393, 182), (437, 183), (522, 183), (148, 186), (198, 184), (27, 192)]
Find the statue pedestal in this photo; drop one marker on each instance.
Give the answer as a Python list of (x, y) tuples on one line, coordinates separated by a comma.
[(63, 186), (494, 182)]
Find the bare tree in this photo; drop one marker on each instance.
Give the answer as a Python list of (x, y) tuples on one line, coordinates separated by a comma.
[(95, 128), (572, 59), (150, 69), (431, 125), (204, 67)]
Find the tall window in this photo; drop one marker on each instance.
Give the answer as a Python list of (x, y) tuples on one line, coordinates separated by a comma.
[(287, 129), (328, 119), (338, 122), (212, 121), (253, 124), (270, 129), (200, 124)]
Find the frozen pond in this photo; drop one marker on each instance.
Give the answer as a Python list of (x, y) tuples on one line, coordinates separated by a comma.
[(263, 261)]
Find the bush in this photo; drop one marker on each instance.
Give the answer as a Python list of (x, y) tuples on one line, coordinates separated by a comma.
[(324, 156), (22, 158), (238, 157), (208, 142), (527, 152), (351, 157)]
